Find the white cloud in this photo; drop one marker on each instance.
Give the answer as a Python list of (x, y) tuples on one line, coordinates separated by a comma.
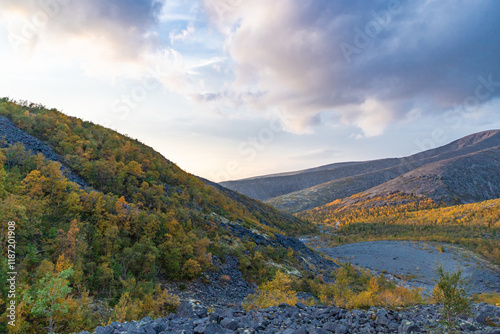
[(183, 35)]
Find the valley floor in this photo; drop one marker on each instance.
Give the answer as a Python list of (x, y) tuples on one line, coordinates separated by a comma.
[(417, 261)]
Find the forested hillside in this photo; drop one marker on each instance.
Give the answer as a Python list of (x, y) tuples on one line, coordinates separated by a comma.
[(105, 246)]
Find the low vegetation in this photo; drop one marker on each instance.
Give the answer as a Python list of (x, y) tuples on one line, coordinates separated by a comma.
[(352, 289), (272, 293), (404, 217)]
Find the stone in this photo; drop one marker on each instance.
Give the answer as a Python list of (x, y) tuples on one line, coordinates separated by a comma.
[(330, 326), (159, 325), (200, 329), (215, 329), (412, 329), (186, 310), (468, 327), (214, 317), (480, 318), (230, 323), (104, 330), (300, 306), (335, 327)]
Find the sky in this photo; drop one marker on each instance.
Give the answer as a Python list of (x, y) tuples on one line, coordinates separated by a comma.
[(229, 89)]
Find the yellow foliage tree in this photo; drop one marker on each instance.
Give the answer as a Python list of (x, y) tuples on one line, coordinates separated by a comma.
[(191, 268), (272, 293)]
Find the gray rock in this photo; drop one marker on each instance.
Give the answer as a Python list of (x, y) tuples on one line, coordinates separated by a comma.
[(412, 329), (230, 323), (335, 327), (288, 331), (300, 306), (318, 331), (188, 310), (200, 329), (214, 317), (215, 329), (330, 326), (104, 330), (468, 327), (480, 318), (312, 320)]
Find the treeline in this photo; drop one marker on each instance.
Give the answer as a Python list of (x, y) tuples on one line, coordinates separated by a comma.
[(85, 257), (405, 217)]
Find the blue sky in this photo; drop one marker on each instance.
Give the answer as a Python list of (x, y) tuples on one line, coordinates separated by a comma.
[(236, 88)]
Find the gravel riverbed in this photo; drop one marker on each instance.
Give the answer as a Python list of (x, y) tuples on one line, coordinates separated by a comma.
[(417, 262)]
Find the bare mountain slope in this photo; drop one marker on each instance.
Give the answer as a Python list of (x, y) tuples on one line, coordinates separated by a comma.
[(466, 179), (269, 186), (343, 180)]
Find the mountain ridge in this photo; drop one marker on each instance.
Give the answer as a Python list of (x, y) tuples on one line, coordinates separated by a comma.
[(346, 180)]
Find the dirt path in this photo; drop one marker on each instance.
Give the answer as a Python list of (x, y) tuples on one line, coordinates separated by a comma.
[(418, 260)]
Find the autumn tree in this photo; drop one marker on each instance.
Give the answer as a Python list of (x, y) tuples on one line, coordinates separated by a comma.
[(273, 293)]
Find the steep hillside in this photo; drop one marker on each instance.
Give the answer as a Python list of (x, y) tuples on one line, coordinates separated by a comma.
[(133, 224), (351, 178)]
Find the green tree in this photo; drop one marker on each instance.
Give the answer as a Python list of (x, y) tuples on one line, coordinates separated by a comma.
[(450, 292), (49, 297)]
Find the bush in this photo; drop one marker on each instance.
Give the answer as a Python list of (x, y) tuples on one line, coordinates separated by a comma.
[(191, 268), (492, 298), (272, 293), (363, 290)]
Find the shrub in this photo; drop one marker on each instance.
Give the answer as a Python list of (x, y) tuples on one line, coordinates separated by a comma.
[(490, 298), (355, 290), (272, 293), (191, 268)]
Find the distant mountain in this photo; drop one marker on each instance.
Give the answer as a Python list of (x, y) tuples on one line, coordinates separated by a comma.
[(463, 171), (469, 178)]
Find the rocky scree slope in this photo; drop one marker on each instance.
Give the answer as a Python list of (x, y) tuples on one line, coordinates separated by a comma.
[(298, 319), (10, 135), (213, 290)]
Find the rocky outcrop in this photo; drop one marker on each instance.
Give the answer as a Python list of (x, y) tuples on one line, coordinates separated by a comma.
[(223, 285), (307, 258), (304, 319), (10, 134)]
